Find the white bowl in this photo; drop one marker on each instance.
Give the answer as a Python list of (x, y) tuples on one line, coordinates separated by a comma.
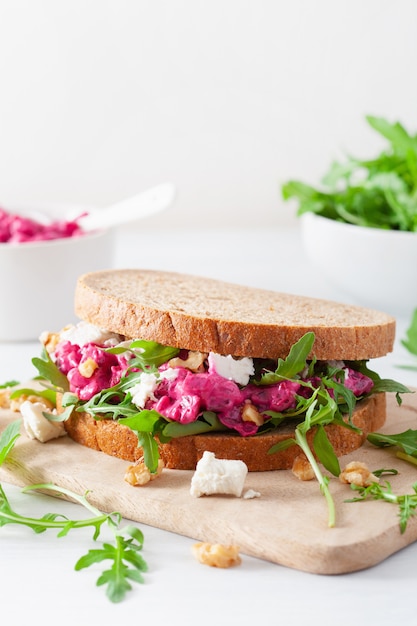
[(369, 266), (38, 281)]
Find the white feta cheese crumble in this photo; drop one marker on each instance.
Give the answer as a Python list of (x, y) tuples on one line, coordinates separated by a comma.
[(144, 389), (83, 333), (238, 370), (36, 425), (251, 493), (218, 476)]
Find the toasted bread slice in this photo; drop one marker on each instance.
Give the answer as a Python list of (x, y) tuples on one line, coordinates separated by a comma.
[(206, 315), (183, 453)]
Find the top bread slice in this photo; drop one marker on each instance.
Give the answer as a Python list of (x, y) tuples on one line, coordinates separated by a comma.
[(208, 315)]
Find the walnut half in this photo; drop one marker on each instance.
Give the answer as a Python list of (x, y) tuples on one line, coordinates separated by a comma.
[(217, 555), (357, 473), (302, 468), (139, 475)]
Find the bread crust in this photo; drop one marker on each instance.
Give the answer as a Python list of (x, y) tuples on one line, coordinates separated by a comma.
[(184, 452), (208, 315)]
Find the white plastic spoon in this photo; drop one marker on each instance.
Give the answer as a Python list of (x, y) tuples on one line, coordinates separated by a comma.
[(142, 205)]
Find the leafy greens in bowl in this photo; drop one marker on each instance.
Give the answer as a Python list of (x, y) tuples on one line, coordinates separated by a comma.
[(377, 193), (410, 341)]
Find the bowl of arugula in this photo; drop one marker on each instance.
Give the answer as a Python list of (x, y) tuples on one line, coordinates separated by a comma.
[(360, 228)]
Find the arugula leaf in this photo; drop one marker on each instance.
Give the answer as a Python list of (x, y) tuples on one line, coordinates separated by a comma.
[(110, 401), (390, 386), (48, 394), (208, 422), (342, 395), (59, 417), (410, 342), (401, 142), (143, 421), (378, 193), (49, 371), (153, 353), (124, 554), (10, 383), (147, 353), (69, 399), (8, 438), (406, 440), (293, 364), (145, 424), (325, 452), (150, 449)]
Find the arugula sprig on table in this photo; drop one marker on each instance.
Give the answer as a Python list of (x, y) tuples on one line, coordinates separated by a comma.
[(379, 192), (407, 503), (127, 564)]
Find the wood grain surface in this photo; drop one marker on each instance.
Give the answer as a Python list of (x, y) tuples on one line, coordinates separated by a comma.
[(287, 524)]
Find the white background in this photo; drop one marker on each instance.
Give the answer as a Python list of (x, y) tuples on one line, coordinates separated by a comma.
[(225, 98)]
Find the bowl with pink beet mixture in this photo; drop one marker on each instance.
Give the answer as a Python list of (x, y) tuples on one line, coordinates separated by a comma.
[(41, 256)]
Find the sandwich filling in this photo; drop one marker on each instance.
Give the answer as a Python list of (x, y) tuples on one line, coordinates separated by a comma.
[(162, 392)]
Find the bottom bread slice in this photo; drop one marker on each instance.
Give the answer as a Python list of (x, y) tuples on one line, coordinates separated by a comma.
[(183, 453)]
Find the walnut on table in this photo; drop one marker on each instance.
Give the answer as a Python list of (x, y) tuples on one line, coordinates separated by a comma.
[(217, 554)]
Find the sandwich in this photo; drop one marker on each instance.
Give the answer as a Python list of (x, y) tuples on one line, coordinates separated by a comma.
[(165, 366)]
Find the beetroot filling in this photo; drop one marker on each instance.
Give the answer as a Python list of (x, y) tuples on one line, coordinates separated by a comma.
[(184, 398)]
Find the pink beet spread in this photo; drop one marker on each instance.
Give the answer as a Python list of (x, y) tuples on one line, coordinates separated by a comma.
[(19, 229), (110, 368), (189, 394), (184, 398)]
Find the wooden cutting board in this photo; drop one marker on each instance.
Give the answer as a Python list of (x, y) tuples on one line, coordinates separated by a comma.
[(287, 524)]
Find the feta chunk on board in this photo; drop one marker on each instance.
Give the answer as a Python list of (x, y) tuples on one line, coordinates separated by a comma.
[(218, 476), (36, 425)]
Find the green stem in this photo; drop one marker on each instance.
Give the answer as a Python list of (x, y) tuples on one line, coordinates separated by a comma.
[(407, 457), (66, 492), (32, 522), (324, 487)]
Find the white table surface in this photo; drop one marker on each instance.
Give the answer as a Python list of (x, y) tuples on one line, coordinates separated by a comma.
[(37, 579)]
